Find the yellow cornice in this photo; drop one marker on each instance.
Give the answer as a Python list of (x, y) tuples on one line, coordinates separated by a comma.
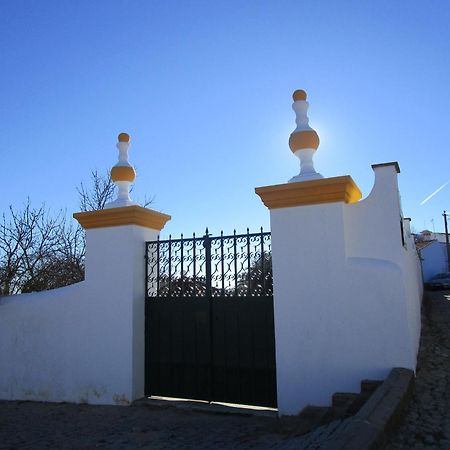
[(128, 215), (324, 190)]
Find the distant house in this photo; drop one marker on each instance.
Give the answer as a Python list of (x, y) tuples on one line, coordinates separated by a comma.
[(433, 256), (427, 235)]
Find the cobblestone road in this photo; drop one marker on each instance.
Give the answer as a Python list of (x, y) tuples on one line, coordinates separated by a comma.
[(426, 424), (33, 425)]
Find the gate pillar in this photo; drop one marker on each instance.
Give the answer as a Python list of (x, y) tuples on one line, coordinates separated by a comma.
[(113, 359), (346, 284)]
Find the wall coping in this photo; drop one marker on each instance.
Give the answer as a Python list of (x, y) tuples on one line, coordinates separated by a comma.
[(324, 190), (127, 215), (393, 163)]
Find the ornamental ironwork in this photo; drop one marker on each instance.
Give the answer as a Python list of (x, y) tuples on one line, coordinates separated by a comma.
[(238, 265)]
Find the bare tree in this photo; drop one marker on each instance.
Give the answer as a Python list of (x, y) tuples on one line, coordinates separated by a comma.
[(98, 194), (29, 239), (65, 265), (39, 251)]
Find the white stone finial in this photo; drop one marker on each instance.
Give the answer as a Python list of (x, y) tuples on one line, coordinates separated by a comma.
[(303, 140), (122, 174)]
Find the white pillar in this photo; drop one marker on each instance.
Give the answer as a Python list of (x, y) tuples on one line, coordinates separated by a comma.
[(308, 254), (115, 289), (346, 297)]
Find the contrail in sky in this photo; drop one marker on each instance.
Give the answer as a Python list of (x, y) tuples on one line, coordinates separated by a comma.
[(434, 193)]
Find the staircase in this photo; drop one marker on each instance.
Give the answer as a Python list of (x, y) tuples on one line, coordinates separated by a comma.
[(343, 405)]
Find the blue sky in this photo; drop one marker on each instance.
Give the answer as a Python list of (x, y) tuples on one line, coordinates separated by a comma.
[(204, 88)]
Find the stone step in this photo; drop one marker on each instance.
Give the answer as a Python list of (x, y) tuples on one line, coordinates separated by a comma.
[(345, 404), (342, 399), (312, 417), (370, 386), (356, 405)]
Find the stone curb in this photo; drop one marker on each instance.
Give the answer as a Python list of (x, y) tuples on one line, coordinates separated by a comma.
[(368, 429)]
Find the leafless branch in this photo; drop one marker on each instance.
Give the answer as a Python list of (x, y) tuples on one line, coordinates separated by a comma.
[(98, 195), (39, 250)]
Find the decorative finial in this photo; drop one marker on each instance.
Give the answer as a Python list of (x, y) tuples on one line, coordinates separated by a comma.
[(122, 174), (303, 141)]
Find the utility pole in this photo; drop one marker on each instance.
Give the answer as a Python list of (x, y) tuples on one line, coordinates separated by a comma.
[(446, 241)]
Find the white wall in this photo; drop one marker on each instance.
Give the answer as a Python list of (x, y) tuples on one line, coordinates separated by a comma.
[(439, 237), (434, 259), (432, 236), (346, 301), (85, 342), (346, 295)]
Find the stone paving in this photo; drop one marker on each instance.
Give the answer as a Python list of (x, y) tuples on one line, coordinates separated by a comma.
[(34, 425), (426, 424)]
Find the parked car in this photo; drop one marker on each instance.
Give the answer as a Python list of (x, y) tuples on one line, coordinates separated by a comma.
[(439, 281)]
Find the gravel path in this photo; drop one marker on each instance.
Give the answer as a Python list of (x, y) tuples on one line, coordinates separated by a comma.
[(426, 424)]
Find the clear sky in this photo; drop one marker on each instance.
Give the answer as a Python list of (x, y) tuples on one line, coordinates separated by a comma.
[(204, 89)]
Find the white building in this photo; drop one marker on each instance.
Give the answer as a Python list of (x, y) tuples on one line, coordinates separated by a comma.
[(427, 235)]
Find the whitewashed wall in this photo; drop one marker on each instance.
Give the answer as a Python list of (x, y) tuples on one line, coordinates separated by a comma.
[(347, 295), (85, 342)]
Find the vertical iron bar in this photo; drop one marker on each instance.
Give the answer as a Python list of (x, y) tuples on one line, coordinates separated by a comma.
[(182, 268), (146, 324), (248, 263), (263, 260), (194, 277), (235, 266), (146, 270), (222, 264), (207, 245), (170, 265), (446, 241), (157, 268)]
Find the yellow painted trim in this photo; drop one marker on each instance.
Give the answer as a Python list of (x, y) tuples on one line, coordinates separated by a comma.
[(128, 215), (303, 139), (313, 192), (123, 137), (123, 173), (299, 94)]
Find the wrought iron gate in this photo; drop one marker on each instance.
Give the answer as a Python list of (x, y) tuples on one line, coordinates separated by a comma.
[(209, 319)]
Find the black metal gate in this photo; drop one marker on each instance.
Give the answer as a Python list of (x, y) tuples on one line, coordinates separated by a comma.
[(209, 319)]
